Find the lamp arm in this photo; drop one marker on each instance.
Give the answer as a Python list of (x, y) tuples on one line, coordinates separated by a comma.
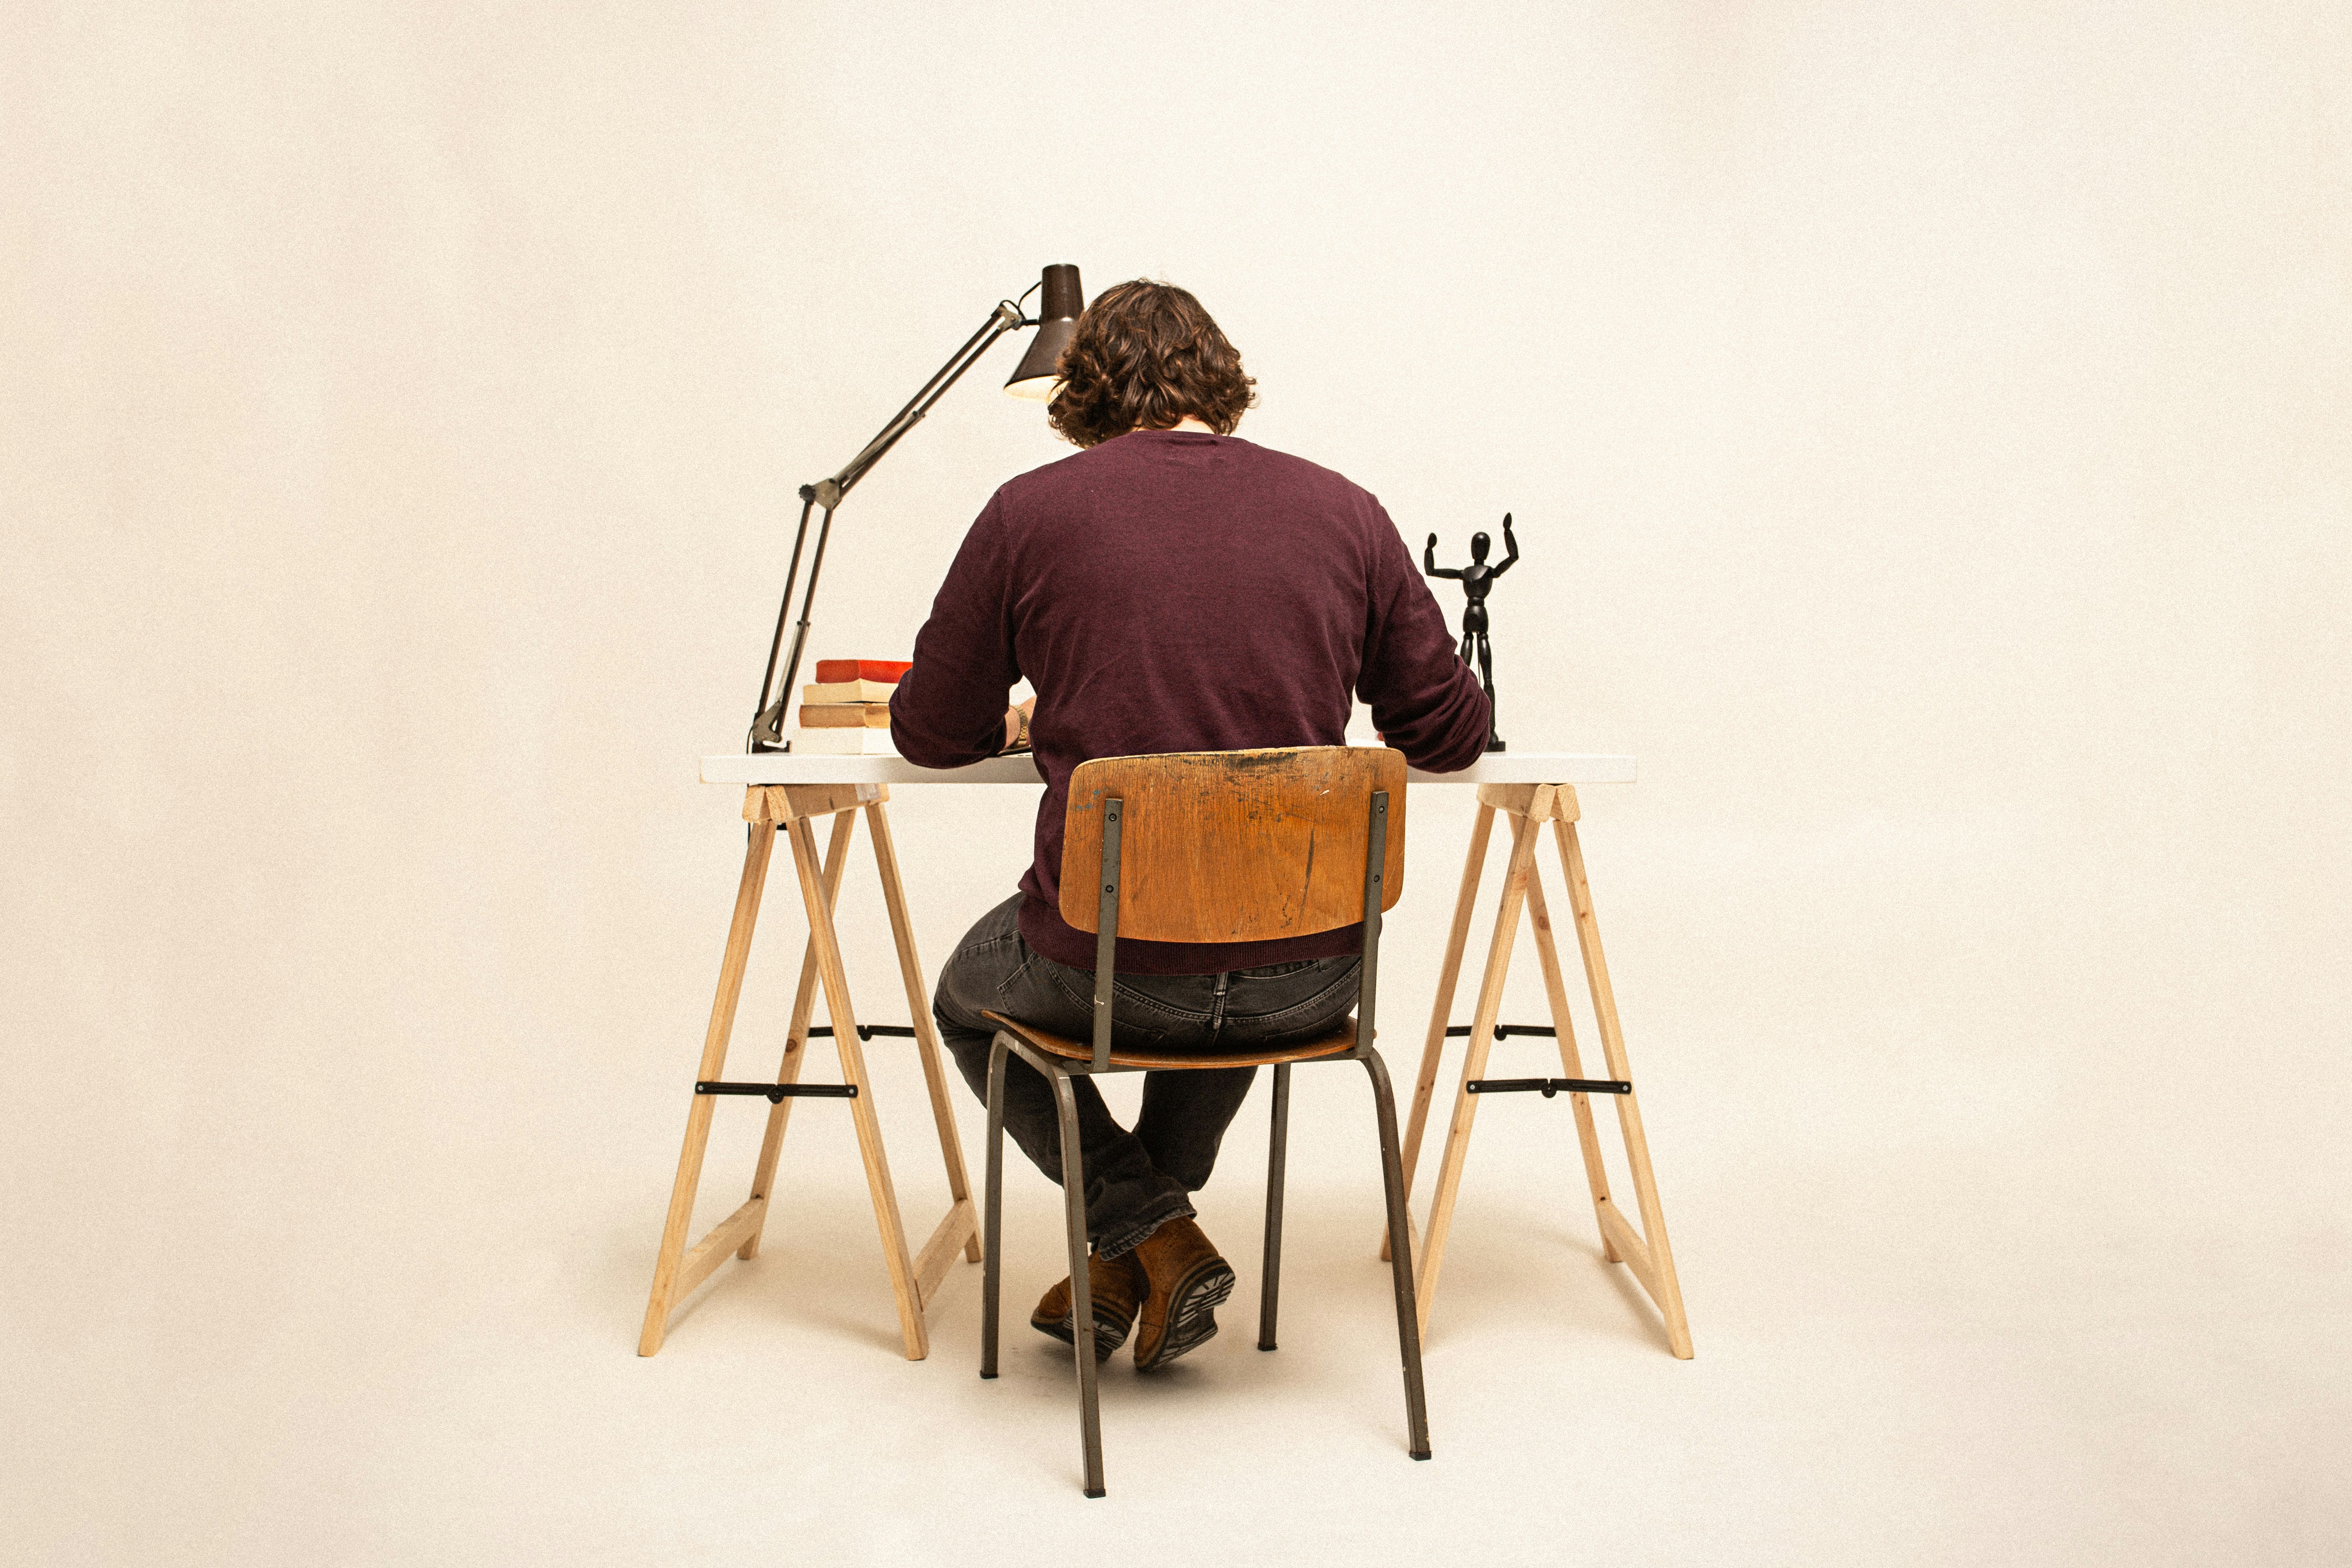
[(760, 716), (768, 719), (1006, 318)]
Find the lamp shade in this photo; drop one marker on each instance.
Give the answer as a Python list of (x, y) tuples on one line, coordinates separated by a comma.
[(1057, 323)]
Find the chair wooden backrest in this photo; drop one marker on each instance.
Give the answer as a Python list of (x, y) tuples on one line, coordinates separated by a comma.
[(1219, 847), (1233, 845)]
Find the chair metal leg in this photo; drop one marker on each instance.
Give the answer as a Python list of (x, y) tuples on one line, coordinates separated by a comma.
[(1277, 1146), (1416, 1406), (992, 1216), (1082, 1304)]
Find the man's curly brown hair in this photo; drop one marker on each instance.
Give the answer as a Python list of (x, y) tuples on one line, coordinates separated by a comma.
[(1145, 356)]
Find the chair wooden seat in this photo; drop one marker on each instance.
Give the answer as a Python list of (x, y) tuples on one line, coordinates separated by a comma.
[(1339, 1041)]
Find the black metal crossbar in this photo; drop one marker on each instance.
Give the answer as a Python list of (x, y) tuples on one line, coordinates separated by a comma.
[(1505, 1031), (777, 1092), (1547, 1087)]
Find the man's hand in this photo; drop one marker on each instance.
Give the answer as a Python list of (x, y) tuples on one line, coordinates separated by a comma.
[(1016, 723)]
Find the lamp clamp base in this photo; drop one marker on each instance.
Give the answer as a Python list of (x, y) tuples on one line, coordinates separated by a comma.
[(768, 728)]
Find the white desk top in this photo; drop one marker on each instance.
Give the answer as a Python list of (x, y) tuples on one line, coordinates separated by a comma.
[(783, 768)]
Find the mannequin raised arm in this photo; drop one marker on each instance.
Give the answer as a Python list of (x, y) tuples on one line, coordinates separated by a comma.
[(1510, 543)]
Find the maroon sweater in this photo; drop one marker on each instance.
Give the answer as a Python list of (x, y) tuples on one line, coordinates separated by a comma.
[(1174, 591)]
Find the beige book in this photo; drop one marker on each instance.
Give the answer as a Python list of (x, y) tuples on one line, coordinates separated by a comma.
[(845, 716), (849, 691)]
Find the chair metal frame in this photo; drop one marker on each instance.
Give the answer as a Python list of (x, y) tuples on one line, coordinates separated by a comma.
[(1058, 1072)]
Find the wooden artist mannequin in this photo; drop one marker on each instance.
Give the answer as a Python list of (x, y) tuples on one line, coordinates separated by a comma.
[(1476, 580)]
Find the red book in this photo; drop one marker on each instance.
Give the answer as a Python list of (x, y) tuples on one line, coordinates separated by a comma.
[(888, 669)]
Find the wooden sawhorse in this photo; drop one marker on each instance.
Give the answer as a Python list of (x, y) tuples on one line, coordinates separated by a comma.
[(1645, 1251), (792, 810)]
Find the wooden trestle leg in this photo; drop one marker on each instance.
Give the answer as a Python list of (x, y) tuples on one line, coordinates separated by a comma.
[(932, 1264), (796, 1033), (1433, 1047), (675, 1272), (791, 810), (1644, 1252)]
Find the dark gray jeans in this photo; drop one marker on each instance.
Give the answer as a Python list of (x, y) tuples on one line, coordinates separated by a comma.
[(1134, 1180)]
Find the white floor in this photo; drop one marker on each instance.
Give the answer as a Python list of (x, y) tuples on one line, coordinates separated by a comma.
[(1905, 1354)]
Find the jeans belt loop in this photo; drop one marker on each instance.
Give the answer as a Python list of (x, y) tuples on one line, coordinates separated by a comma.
[(1217, 1007)]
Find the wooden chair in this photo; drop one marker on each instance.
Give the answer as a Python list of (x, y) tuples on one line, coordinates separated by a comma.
[(1216, 847)]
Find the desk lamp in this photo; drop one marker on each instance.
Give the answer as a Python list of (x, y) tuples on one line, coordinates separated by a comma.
[(1056, 320)]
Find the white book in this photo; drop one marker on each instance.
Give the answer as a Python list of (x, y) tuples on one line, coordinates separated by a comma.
[(843, 743)]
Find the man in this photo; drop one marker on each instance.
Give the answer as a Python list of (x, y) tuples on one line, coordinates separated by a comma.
[(1170, 588)]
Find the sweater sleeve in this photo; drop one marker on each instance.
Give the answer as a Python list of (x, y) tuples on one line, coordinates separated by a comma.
[(1425, 702), (949, 709)]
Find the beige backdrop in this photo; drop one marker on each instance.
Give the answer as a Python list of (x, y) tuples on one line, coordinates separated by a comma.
[(1926, 426)]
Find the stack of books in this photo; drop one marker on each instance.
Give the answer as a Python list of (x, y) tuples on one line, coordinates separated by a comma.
[(847, 712)]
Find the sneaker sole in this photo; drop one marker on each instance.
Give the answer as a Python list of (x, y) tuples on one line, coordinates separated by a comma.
[(1109, 1332), (1192, 1312)]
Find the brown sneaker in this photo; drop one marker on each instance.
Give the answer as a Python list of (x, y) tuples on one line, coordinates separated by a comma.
[(1187, 1282), (1114, 1287)]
